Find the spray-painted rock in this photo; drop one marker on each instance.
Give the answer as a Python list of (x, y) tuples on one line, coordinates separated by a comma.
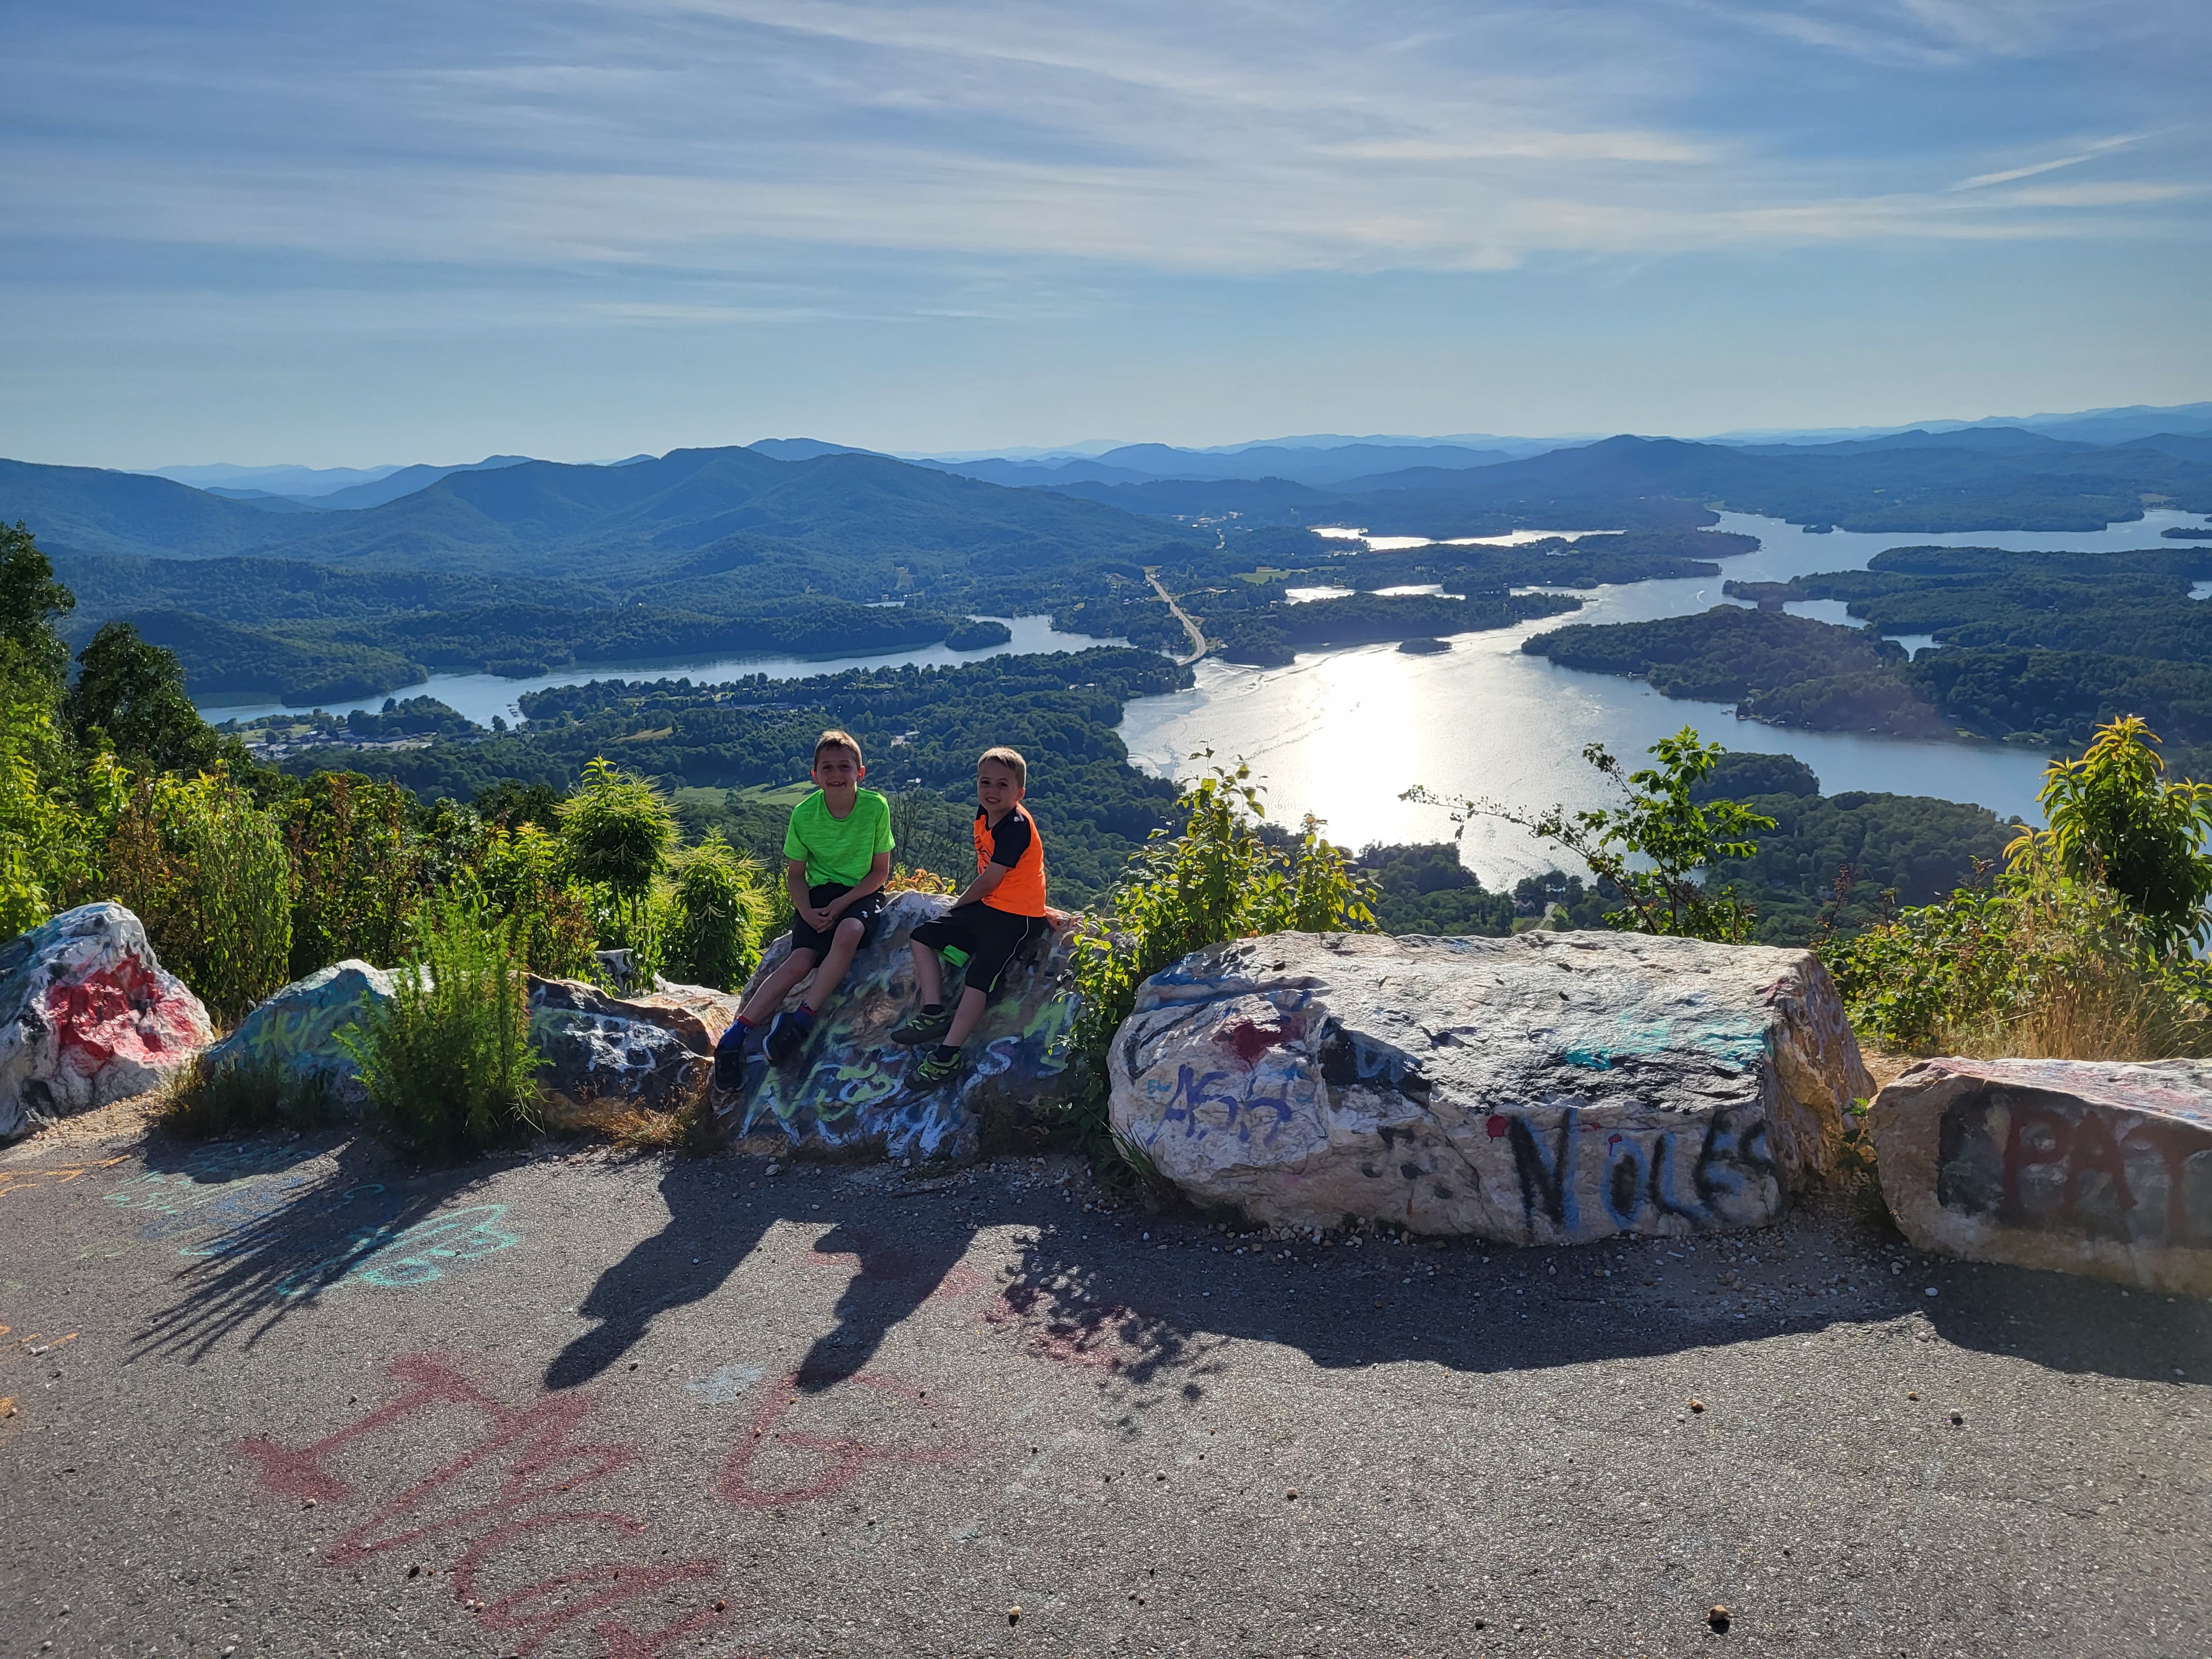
[(851, 1090), (297, 1029), (1552, 1088), (2094, 1167), (599, 1048), (87, 1015)]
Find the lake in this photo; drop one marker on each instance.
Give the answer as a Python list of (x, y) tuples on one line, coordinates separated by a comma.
[(480, 697), (1340, 733)]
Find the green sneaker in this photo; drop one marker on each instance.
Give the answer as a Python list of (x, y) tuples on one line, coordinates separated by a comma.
[(919, 1027), (931, 1070)]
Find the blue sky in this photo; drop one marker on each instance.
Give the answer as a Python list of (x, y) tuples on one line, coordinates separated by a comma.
[(256, 232)]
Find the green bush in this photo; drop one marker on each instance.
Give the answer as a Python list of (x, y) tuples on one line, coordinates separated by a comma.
[(2079, 949), (359, 867), (2033, 964), (523, 880), (1218, 879), (447, 1063), (205, 870), (712, 934), (211, 1102), (618, 828)]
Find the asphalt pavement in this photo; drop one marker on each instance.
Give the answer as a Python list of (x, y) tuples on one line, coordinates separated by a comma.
[(293, 1397)]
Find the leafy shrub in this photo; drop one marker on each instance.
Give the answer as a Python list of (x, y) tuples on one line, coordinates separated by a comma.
[(2079, 949), (618, 828), (220, 1102), (2115, 819), (523, 880), (917, 880), (205, 870), (447, 1063), (2033, 964), (1218, 879), (1664, 823), (712, 935), (359, 867)]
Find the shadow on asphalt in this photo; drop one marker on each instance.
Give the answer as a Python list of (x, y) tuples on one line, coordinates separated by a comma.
[(1094, 1293), (709, 1232), (260, 1235)]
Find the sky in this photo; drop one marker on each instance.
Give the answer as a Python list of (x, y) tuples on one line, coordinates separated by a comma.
[(259, 233)]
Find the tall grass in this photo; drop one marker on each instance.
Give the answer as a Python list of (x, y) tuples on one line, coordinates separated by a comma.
[(207, 1102), (447, 1064)]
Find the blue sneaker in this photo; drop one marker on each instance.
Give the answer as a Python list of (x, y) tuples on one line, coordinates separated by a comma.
[(788, 1036), (738, 1045)]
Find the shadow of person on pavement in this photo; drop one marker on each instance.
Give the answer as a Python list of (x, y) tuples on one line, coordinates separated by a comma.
[(893, 1275), (707, 1235)]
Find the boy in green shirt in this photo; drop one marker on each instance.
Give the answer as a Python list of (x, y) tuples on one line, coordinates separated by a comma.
[(838, 855)]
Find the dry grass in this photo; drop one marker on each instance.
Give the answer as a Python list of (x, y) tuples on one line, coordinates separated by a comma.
[(622, 1124)]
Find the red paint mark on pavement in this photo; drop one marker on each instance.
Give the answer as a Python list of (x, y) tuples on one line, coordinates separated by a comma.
[(1098, 1337), (846, 1456)]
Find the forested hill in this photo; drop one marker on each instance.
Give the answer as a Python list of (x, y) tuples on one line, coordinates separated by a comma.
[(859, 518)]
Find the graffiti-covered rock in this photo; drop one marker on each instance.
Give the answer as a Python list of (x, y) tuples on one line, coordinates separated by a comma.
[(2094, 1167), (850, 1089), (1552, 1088), (296, 1030), (654, 1055), (694, 1014), (87, 1015)]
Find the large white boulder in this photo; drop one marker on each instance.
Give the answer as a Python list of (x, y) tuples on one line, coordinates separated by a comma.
[(1552, 1088), (87, 1015), (2094, 1167)]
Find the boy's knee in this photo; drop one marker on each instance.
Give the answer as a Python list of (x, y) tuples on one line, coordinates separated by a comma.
[(849, 929)]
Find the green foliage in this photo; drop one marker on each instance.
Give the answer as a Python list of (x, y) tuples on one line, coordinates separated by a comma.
[(1661, 824), (205, 870), (223, 1103), (618, 828), (447, 1063), (360, 870), (714, 930), (31, 602), (130, 698), (2034, 963), (1219, 879), (2115, 819), (1720, 655), (523, 880)]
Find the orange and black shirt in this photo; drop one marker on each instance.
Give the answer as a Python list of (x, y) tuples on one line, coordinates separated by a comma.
[(1017, 845)]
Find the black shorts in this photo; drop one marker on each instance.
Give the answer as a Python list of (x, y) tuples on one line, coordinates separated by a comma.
[(869, 911), (991, 938)]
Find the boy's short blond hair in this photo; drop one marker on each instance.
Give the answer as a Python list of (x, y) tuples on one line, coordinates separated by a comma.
[(1012, 760), (835, 738)]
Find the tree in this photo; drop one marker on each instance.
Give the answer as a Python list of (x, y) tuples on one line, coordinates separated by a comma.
[(130, 696), (1656, 846), (30, 601)]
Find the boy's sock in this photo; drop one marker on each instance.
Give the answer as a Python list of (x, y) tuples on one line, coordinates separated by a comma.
[(933, 1007), (945, 1054)]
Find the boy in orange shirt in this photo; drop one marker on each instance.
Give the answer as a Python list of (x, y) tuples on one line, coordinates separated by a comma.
[(1000, 912)]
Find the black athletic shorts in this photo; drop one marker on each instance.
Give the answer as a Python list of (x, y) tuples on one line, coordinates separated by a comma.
[(991, 938), (869, 911)]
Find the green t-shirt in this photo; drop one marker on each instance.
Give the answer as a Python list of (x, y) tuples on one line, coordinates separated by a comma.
[(839, 850)]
